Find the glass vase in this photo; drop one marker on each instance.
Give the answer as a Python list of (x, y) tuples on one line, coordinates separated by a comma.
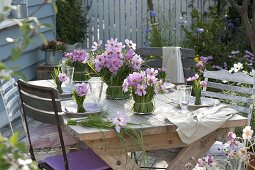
[(59, 88), (80, 108), (198, 97), (116, 93), (81, 76)]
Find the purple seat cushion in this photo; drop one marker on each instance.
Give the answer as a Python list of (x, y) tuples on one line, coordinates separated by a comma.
[(79, 160), (46, 136)]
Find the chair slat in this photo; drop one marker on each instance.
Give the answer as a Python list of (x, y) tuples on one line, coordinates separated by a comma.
[(39, 103), (150, 51), (40, 115), (224, 75), (231, 88), (13, 101), (12, 92), (240, 108), (7, 85), (227, 97)]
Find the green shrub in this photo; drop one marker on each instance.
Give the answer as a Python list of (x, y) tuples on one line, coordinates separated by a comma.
[(71, 21)]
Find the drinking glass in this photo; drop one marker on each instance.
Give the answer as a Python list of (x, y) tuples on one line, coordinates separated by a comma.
[(185, 93), (69, 84), (96, 88)]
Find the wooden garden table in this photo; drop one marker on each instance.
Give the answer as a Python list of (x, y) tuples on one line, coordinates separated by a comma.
[(158, 133)]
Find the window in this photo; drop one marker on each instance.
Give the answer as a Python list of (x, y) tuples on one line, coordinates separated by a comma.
[(4, 3)]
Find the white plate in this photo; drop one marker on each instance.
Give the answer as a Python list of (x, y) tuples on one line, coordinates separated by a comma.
[(91, 108), (169, 85), (205, 102)]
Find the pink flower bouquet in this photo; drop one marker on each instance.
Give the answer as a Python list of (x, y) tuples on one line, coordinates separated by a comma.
[(197, 87), (114, 64), (79, 94), (144, 86), (59, 78), (79, 60)]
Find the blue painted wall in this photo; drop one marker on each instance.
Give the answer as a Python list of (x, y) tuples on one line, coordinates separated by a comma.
[(32, 56)]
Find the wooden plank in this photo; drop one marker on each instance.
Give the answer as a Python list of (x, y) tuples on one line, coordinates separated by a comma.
[(111, 14), (94, 22), (145, 18), (45, 11), (240, 108), (139, 23), (122, 20), (117, 10), (188, 153), (239, 89), (133, 18), (7, 85), (115, 161), (90, 24), (149, 51), (101, 19), (106, 21), (128, 19), (177, 17), (11, 92), (224, 75), (227, 97)]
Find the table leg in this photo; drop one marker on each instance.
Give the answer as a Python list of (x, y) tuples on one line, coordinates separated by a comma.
[(195, 150), (118, 161)]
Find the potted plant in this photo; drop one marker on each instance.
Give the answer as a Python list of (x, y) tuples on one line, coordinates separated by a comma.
[(71, 27), (53, 52)]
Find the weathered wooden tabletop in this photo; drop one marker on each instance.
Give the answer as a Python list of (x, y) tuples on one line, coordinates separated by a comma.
[(158, 133)]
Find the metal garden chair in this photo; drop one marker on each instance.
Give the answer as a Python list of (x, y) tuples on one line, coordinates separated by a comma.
[(43, 104)]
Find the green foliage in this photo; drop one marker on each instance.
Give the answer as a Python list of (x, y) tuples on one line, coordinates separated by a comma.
[(215, 40), (155, 38), (56, 80), (12, 153), (71, 21)]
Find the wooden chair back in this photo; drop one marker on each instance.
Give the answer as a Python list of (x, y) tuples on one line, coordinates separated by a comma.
[(41, 104), (157, 53), (239, 89), (11, 100)]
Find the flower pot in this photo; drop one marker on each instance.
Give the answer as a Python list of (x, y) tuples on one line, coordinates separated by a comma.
[(116, 93), (53, 57)]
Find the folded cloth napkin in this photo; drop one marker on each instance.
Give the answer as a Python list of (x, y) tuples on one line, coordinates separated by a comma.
[(173, 63), (200, 122)]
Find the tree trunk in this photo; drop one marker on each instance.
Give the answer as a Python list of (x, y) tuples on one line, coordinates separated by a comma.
[(247, 24)]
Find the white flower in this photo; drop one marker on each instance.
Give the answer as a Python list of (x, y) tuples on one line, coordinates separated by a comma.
[(247, 133), (238, 67), (130, 44), (252, 73), (197, 167)]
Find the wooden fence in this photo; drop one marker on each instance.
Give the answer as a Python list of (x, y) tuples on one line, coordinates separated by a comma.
[(130, 19)]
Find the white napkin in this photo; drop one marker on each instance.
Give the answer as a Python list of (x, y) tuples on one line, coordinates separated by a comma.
[(173, 63), (200, 122)]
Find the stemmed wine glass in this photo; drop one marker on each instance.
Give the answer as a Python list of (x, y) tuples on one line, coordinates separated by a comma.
[(185, 93)]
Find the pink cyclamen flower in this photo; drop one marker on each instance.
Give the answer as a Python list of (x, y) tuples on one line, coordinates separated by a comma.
[(81, 89), (203, 83), (247, 133), (134, 79), (151, 72), (196, 76), (129, 54), (62, 77), (140, 89), (200, 64), (231, 136), (96, 45), (120, 120)]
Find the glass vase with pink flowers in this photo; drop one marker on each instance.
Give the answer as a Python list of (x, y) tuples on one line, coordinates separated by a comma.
[(114, 63), (144, 86), (79, 94)]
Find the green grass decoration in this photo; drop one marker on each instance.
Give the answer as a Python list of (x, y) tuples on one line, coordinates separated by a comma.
[(144, 103), (56, 80), (135, 135)]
